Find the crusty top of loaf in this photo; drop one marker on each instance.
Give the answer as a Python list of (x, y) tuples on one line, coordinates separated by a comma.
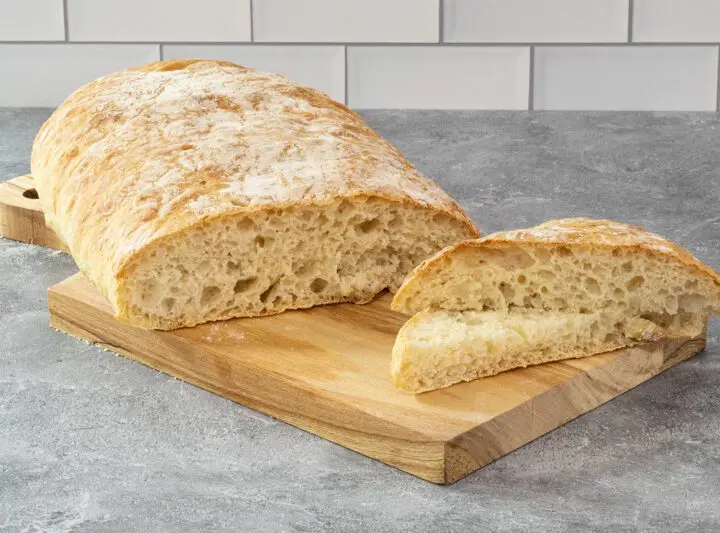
[(562, 232), (144, 153)]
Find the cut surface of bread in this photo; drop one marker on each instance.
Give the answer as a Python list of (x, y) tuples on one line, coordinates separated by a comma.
[(566, 288), (266, 262), (436, 349), (193, 190), (569, 265)]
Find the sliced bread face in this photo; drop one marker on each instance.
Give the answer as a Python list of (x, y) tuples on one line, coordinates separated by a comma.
[(436, 349), (564, 289), (569, 266), (262, 263)]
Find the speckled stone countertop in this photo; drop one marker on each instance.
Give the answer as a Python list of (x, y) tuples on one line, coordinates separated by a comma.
[(92, 442)]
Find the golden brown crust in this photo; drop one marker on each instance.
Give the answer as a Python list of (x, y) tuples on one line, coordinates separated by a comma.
[(583, 232), (141, 155)]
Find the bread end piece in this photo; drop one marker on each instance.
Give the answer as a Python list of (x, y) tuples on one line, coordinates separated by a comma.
[(569, 265)]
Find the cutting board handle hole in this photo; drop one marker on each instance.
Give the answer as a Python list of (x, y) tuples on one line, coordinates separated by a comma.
[(31, 193)]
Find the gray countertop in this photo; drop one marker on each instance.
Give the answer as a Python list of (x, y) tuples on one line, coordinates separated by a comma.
[(93, 442)]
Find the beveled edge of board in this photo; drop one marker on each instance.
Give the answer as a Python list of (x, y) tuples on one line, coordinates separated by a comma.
[(592, 382), (22, 218)]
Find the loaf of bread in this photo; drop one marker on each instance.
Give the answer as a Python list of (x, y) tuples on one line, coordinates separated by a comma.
[(190, 191), (563, 289)]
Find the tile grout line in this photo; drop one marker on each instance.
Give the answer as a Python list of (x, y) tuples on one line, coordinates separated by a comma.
[(252, 24), (345, 66), (389, 45), (531, 87), (631, 17), (717, 86), (441, 19), (66, 20)]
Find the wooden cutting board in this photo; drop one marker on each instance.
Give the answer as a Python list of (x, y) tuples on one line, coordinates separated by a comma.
[(326, 370), (21, 217)]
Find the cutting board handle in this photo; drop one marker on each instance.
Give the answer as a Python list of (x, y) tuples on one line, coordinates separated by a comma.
[(21, 216)]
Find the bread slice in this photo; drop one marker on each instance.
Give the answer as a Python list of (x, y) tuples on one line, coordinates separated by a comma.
[(566, 288), (190, 191), (435, 349)]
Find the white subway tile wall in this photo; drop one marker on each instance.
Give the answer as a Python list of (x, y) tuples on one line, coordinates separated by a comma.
[(536, 21), (31, 20), (442, 54), (159, 20), (355, 21), (45, 74), (450, 77), (322, 67), (637, 78), (692, 21)]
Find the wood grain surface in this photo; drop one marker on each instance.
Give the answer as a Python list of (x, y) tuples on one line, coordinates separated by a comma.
[(326, 370), (21, 218)]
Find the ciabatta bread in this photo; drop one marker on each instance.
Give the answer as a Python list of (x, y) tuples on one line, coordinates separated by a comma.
[(565, 288), (435, 349), (190, 191)]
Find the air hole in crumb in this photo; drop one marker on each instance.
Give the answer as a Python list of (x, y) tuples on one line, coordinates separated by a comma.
[(32, 194), (244, 224), (318, 285), (612, 338), (522, 279), (563, 251), (187, 147), (209, 294), (693, 303), (260, 241), (546, 275), (507, 291), (592, 286), (634, 283), (368, 225), (243, 285), (618, 293), (627, 267), (232, 267), (167, 304), (395, 221), (266, 293)]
